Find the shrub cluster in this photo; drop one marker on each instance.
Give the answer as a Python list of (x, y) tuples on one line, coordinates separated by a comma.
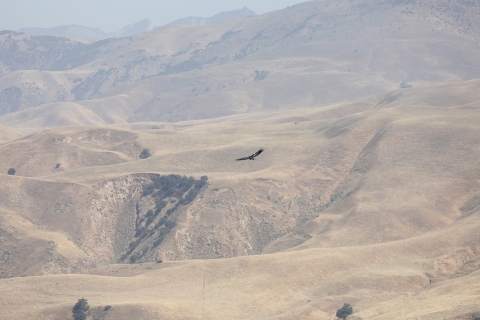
[(184, 189), (79, 311), (145, 154), (344, 311)]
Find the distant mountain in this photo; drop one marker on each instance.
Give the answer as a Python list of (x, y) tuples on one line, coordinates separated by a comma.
[(310, 54), (72, 31), (190, 21), (87, 33), (197, 21), (81, 32), (139, 27)]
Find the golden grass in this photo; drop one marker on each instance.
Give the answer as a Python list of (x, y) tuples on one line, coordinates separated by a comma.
[(397, 243)]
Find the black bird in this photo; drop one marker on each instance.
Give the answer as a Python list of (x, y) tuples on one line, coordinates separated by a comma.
[(252, 157)]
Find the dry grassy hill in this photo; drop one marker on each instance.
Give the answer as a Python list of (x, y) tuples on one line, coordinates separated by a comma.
[(383, 281), (7, 133), (373, 202), (124, 150), (317, 52)]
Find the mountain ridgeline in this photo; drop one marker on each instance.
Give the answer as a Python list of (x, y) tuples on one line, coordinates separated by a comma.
[(81, 32), (367, 195), (313, 53)]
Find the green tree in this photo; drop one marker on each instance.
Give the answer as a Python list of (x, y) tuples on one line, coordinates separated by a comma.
[(80, 309)]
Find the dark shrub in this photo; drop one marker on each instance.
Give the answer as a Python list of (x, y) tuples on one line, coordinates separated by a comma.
[(160, 206), (173, 188), (170, 225), (132, 245), (11, 171), (344, 311), (80, 309), (145, 233), (160, 222), (145, 154), (134, 257), (139, 231), (158, 241), (107, 308), (149, 220)]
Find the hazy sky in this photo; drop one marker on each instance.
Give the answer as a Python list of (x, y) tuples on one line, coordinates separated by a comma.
[(112, 15)]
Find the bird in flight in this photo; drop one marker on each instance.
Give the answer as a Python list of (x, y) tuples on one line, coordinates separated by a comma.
[(252, 157)]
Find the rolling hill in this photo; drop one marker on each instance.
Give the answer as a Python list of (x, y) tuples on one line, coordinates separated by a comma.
[(126, 191), (314, 53), (372, 202)]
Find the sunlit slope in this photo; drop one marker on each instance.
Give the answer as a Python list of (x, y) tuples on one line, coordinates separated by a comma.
[(316, 52), (365, 172), (7, 133), (414, 173), (51, 115), (80, 192), (383, 281), (50, 151), (386, 174), (373, 202), (42, 227)]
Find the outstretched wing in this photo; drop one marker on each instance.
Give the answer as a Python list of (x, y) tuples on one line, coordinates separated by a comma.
[(257, 153), (252, 156)]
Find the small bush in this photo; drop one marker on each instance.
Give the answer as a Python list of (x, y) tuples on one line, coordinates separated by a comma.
[(344, 311), (160, 222), (145, 154), (159, 240), (149, 220), (139, 231), (170, 225), (57, 166), (107, 308), (132, 245), (80, 309), (159, 261), (134, 257), (11, 171)]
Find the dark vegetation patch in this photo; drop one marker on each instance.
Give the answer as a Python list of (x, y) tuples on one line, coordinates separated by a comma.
[(79, 311), (169, 194), (145, 154), (341, 127), (260, 75), (344, 311), (45, 52), (91, 87), (10, 100)]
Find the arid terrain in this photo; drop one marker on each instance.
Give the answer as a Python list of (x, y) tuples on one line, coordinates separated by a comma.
[(125, 189)]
